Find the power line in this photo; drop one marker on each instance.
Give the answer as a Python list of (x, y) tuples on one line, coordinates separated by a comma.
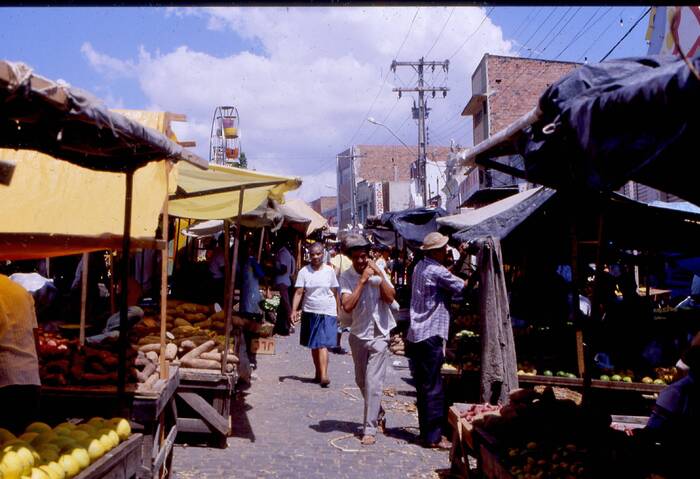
[(385, 77), (441, 31), (534, 49), (595, 42), (472, 33), (525, 22), (583, 30), (626, 34), (561, 30), (535, 32)]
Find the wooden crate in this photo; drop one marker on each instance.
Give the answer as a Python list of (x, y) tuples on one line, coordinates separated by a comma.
[(122, 462), (204, 404)]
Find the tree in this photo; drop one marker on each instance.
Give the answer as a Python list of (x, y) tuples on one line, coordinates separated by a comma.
[(243, 161)]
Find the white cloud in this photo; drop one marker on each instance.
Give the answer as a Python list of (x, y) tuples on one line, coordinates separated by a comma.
[(303, 99), (107, 65)]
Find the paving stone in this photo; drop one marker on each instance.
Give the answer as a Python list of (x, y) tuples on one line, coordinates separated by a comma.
[(284, 424)]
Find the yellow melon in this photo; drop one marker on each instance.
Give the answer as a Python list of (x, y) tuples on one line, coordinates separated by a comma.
[(69, 465), (11, 466), (122, 427), (57, 469), (81, 455), (38, 427), (95, 449)]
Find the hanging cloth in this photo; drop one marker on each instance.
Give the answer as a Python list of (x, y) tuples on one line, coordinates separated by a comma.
[(498, 363)]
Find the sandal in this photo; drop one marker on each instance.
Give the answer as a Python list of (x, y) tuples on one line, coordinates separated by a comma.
[(325, 382), (368, 440), (443, 444), (381, 423)]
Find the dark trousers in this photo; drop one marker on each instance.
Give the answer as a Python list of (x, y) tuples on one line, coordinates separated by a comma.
[(427, 358), (284, 311), (19, 407)]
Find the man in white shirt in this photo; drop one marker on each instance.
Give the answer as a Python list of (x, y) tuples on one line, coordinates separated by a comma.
[(19, 363), (367, 293)]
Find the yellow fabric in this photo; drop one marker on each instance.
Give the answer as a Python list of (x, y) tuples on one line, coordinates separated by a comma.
[(298, 207), (51, 196), (225, 205), (158, 121)]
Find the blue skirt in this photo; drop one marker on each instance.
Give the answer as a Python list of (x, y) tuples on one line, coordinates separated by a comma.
[(318, 330)]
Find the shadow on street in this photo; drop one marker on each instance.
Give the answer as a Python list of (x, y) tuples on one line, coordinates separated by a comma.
[(330, 425), (240, 424), (296, 378)]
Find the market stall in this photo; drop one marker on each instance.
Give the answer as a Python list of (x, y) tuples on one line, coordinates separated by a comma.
[(106, 194), (217, 196), (593, 131)]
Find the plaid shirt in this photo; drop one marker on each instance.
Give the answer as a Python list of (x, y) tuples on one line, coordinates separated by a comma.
[(432, 287)]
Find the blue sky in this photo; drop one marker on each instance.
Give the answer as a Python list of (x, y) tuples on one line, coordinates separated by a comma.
[(304, 80)]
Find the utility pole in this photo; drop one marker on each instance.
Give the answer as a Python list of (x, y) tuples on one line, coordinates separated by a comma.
[(422, 112)]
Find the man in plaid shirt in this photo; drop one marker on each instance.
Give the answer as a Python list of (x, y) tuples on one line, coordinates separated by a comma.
[(432, 287)]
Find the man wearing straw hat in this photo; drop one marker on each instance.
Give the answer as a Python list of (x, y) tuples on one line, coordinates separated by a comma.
[(431, 289)]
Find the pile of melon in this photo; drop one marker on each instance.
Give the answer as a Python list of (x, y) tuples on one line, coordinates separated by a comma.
[(42, 452)]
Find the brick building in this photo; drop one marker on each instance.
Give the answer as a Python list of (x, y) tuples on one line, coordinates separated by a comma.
[(375, 165), (503, 89), (326, 206)]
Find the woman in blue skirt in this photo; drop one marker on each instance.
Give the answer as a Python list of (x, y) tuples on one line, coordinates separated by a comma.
[(317, 293)]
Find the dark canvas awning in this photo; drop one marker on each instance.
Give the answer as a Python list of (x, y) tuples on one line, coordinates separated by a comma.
[(69, 124), (608, 123), (413, 224)]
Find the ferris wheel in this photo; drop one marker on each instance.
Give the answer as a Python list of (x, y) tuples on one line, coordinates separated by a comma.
[(224, 140)]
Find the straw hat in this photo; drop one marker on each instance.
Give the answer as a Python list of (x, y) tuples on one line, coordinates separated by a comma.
[(434, 240)]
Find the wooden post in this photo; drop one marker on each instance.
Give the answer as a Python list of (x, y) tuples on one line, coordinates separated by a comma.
[(48, 267), (576, 301), (124, 303), (231, 287), (83, 297), (595, 308), (112, 300), (227, 259), (164, 373), (262, 239)]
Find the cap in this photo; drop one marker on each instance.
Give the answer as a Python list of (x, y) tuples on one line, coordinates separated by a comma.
[(354, 240)]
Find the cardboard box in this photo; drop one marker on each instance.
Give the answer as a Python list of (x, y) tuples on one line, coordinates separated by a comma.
[(263, 345)]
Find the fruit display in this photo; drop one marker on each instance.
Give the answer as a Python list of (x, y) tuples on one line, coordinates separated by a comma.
[(479, 411), (539, 436), (43, 452), (63, 361)]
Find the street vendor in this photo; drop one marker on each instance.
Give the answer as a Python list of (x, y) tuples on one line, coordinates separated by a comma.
[(19, 363), (431, 290), (675, 420), (367, 293)]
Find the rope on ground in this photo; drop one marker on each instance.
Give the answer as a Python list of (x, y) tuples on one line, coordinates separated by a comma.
[(344, 449), (349, 394)]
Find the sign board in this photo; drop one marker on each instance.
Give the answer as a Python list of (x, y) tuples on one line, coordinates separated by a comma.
[(263, 345), (674, 22)]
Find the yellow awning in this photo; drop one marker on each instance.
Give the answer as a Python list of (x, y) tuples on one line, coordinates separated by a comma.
[(213, 194), (53, 207), (298, 207)]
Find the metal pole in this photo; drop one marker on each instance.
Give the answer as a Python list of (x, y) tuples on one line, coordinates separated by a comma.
[(421, 135), (231, 287), (354, 187), (83, 297), (227, 260), (262, 239), (124, 303)]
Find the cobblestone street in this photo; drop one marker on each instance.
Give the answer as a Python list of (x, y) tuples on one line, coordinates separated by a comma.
[(286, 426)]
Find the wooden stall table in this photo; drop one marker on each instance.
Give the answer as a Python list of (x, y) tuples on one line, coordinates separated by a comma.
[(207, 395), (156, 413), (122, 462)]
